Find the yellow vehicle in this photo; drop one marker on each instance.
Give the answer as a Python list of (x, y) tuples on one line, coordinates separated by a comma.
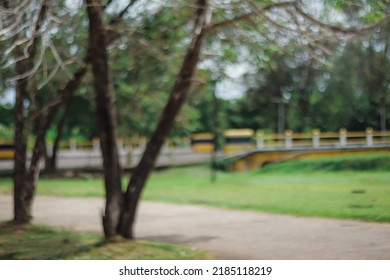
[(6, 151), (202, 142), (237, 140)]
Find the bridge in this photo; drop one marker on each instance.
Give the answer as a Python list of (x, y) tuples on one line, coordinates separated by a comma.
[(293, 146), (265, 148), (90, 159)]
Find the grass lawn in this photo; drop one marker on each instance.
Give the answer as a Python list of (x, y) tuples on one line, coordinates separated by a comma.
[(41, 242), (304, 188)]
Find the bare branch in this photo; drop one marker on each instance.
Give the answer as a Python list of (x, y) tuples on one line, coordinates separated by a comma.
[(214, 27), (108, 3), (277, 25), (120, 16), (36, 63), (38, 24), (48, 77), (340, 29), (15, 44), (74, 81), (14, 10), (10, 28), (65, 93), (59, 59)]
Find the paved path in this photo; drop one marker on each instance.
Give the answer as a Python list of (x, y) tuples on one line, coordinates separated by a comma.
[(227, 234)]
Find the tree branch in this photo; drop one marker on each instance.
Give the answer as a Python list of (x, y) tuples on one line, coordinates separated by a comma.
[(120, 16), (41, 16), (108, 3), (214, 27), (340, 29), (75, 80)]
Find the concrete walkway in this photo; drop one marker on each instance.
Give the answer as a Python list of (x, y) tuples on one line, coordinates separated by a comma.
[(226, 234)]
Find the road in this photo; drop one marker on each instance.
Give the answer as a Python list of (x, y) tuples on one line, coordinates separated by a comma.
[(92, 160), (226, 234)]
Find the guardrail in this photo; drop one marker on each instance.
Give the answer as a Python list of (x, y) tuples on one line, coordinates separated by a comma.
[(317, 139), (123, 144), (289, 139)]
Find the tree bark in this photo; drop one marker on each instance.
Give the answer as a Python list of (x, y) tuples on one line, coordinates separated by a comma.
[(175, 102), (24, 177), (23, 186), (22, 199), (106, 116), (51, 160)]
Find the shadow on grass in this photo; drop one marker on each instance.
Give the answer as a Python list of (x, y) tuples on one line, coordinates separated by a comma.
[(32, 242)]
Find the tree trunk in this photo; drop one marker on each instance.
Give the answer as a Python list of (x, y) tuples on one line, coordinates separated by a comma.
[(51, 160), (175, 102), (24, 186), (106, 116), (22, 199)]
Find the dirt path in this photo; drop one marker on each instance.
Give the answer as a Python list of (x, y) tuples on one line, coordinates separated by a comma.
[(227, 234)]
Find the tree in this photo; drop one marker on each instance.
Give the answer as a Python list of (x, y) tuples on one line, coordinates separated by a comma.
[(25, 178), (256, 19), (176, 100), (106, 116), (120, 209), (179, 95), (27, 26)]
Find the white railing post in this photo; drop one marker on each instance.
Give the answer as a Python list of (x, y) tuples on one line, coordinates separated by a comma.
[(95, 145), (142, 143), (129, 159), (316, 138), (288, 139), (187, 142), (369, 136), (260, 140), (343, 137), (121, 145), (49, 148), (72, 145)]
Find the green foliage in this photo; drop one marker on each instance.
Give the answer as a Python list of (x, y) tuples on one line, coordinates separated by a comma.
[(144, 69), (6, 120), (6, 114), (6, 134), (352, 92), (356, 91), (366, 11)]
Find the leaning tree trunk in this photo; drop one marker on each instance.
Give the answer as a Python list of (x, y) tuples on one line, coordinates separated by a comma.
[(51, 160), (106, 116), (175, 102), (24, 185), (25, 177)]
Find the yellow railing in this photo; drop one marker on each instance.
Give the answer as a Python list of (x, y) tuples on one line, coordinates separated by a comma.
[(316, 138), (289, 139)]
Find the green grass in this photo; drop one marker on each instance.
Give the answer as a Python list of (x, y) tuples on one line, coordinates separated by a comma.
[(303, 188), (42, 243), (352, 195), (370, 162)]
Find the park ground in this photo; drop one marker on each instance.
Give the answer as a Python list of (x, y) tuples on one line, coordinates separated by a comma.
[(349, 189)]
